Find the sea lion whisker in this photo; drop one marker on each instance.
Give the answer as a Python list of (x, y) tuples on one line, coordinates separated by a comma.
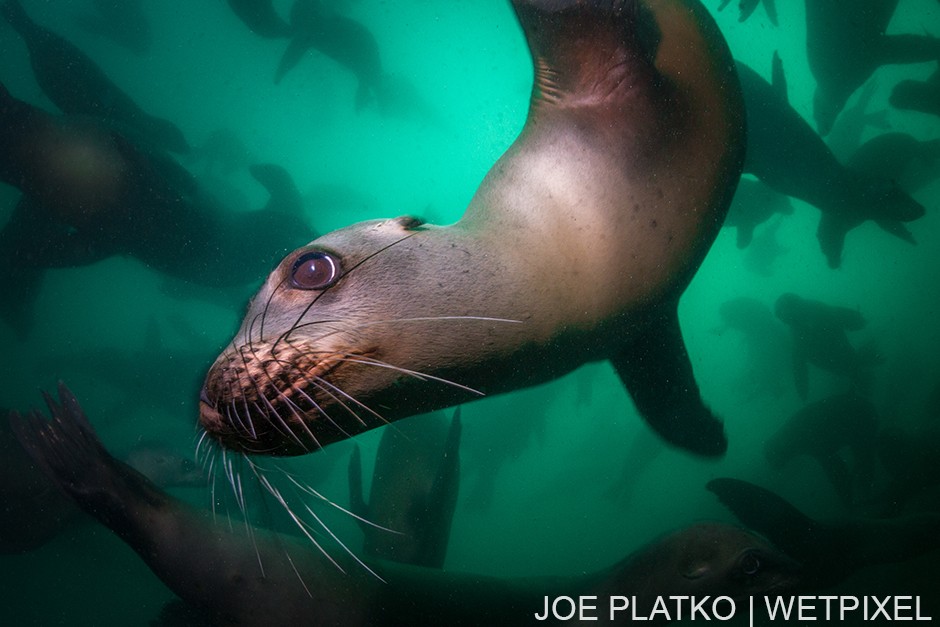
[(296, 572), (371, 323), (248, 526), (370, 361), (264, 312), (325, 413), (287, 430), (342, 544), (251, 425), (309, 490), (301, 525), (320, 382)]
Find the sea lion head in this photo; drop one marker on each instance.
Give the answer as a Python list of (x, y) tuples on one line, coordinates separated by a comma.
[(346, 332)]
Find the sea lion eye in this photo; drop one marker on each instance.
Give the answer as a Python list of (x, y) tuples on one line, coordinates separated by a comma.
[(750, 564), (314, 271)]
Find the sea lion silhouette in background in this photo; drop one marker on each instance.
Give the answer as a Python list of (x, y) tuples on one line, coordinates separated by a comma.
[(315, 24), (90, 193), (754, 204), (912, 163), (77, 86), (922, 96), (746, 9), (122, 21), (260, 17), (210, 563), (790, 157), (414, 490), (829, 551), (818, 331), (846, 42), (826, 430), (628, 160), (222, 153)]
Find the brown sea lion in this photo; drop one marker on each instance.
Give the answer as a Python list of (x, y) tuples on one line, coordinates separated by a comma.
[(576, 248), (274, 579)]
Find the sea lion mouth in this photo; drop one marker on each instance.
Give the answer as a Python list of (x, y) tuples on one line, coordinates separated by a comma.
[(277, 401)]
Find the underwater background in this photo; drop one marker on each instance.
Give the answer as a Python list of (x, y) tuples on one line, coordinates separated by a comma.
[(547, 484)]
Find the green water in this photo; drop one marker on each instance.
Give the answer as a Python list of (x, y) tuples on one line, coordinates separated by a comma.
[(557, 451)]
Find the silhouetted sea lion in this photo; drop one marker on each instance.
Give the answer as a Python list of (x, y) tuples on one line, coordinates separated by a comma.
[(576, 247), (315, 24), (784, 152), (818, 331), (276, 580), (912, 163), (90, 192), (77, 86), (846, 42)]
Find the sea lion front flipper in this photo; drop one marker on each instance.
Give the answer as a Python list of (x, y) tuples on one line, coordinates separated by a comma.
[(296, 49), (831, 235), (438, 515), (656, 370), (284, 195), (357, 501), (770, 7), (897, 228)]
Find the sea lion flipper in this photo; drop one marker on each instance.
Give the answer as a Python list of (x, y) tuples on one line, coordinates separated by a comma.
[(658, 374), (296, 49), (357, 501), (779, 77), (897, 228), (438, 512), (795, 533), (770, 6)]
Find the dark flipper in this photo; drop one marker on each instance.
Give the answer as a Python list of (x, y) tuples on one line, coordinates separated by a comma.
[(438, 516), (295, 51), (285, 197), (357, 501), (793, 532), (779, 78), (657, 372), (770, 6), (831, 235), (896, 228)]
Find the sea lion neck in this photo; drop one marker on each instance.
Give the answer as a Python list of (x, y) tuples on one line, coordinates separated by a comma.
[(587, 58)]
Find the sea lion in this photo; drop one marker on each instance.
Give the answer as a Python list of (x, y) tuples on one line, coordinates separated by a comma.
[(818, 331), (211, 565), (90, 192), (77, 86), (922, 96), (827, 430), (575, 248), (747, 7), (846, 199), (413, 496), (260, 17), (315, 24), (828, 550), (846, 42)]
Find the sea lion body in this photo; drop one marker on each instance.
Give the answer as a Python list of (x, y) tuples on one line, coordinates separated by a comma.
[(846, 198), (212, 565), (575, 248), (78, 86)]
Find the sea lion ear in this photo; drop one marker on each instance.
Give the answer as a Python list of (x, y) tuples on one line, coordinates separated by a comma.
[(410, 223), (656, 371)]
